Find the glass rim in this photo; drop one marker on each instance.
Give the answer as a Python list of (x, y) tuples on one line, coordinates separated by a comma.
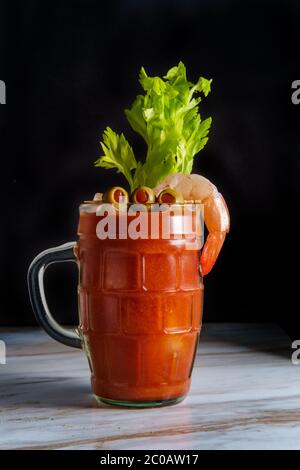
[(150, 204), (151, 208)]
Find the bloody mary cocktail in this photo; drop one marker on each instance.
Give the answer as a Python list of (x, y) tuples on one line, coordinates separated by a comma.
[(140, 297), (140, 314)]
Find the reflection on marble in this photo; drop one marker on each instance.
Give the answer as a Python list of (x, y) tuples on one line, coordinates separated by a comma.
[(245, 395)]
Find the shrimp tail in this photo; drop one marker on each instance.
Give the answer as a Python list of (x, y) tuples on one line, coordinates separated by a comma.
[(211, 250)]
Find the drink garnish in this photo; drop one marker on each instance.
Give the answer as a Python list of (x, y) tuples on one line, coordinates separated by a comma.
[(116, 194), (168, 119)]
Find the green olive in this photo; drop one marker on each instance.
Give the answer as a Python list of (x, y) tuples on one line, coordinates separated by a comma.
[(116, 194), (143, 195), (170, 196)]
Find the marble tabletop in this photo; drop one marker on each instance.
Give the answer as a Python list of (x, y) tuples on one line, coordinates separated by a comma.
[(245, 395)]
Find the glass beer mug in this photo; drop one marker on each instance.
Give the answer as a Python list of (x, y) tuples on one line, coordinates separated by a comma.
[(140, 303)]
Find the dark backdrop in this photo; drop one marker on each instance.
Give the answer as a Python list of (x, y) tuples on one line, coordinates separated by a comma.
[(71, 67)]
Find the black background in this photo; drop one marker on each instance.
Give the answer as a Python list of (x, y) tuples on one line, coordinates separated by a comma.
[(71, 68)]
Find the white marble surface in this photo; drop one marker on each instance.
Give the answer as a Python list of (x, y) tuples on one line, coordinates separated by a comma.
[(245, 395)]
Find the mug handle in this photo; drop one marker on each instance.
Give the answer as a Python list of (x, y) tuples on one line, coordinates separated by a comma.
[(58, 254)]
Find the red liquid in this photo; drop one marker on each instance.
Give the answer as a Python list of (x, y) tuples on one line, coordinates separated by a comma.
[(140, 314)]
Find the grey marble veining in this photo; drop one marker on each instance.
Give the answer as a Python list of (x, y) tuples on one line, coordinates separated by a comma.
[(245, 395)]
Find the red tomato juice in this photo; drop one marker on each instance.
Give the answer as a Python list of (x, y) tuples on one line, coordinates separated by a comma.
[(140, 314)]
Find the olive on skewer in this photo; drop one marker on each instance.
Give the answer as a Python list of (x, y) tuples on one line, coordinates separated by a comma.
[(170, 196), (143, 195), (116, 194)]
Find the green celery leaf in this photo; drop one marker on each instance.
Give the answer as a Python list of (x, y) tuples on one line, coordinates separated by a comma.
[(167, 118), (117, 154)]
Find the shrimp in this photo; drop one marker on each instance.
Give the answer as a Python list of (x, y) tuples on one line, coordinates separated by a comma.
[(216, 214)]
